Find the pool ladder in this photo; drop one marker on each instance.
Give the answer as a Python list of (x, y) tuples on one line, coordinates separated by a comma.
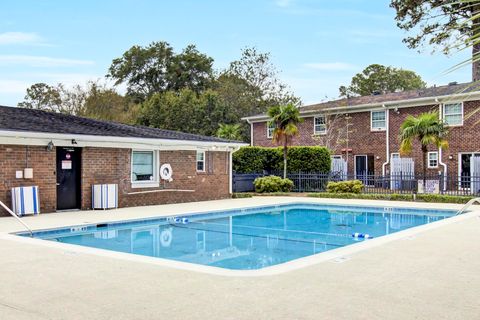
[(16, 217), (467, 205)]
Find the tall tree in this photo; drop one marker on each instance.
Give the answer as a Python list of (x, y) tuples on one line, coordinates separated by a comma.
[(105, 103), (261, 74), (428, 129), (185, 111), (54, 98), (156, 68), (381, 79), (441, 23), (285, 118)]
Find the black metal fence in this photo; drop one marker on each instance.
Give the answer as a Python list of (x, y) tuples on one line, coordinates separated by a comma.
[(374, 184)]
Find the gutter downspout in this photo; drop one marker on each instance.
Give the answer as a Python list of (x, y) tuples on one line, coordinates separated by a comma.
[(251, 132), (230, 164), (387, 142), (444, 165)]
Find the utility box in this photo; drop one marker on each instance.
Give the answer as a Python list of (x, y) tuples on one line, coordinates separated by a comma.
[(104, 196)]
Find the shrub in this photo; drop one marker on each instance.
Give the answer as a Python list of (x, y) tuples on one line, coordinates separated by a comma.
[(272, 184), (258, 159), (395, 197), (351, 186), (240, 195)]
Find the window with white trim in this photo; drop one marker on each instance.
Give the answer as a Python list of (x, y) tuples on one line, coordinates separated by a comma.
[(201, 161), (395, 155), (320, 125), (378, 120), (270, 128), (432, 159), (453, 114), (144, 166)]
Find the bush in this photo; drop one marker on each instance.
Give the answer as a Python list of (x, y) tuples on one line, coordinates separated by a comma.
[(258, 159), (240, 195), (395, 197), (351, 186), (272, 184)]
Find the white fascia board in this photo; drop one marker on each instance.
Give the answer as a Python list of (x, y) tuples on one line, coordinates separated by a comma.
[(408, 103), (42, 139)]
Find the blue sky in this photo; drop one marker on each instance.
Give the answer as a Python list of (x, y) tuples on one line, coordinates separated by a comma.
[(317, 45)]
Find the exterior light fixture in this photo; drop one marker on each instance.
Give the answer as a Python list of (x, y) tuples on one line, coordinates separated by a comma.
[(50, 146)]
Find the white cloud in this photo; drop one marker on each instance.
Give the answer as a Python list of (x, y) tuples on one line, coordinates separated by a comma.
[(39, 61), (283, 3), (9, 38), (330, 66)]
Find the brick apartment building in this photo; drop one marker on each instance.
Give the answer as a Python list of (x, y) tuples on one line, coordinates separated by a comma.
[(365, 130), (69, 154)]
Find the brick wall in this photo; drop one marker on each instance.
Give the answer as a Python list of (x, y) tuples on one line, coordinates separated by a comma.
[(13, 158), (363, 141), (113, 166), (110, 165)]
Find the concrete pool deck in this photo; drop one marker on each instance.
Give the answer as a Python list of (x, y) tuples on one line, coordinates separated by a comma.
[(434, 274)]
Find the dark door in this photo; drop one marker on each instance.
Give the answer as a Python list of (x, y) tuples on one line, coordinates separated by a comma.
[(364, 169), (68, 178)]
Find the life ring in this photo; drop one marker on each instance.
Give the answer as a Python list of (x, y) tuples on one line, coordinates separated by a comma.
[(166, 237), (166, 172)]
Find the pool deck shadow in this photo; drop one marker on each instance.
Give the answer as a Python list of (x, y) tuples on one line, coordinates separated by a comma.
[(431, 275)]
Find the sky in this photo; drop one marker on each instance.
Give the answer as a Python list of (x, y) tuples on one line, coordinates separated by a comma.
[(317, 45)]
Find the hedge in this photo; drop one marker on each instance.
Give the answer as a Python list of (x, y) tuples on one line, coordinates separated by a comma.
[(299, 159), (395, 197)]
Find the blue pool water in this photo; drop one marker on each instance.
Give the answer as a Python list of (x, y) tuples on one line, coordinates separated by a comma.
[(245, 239)]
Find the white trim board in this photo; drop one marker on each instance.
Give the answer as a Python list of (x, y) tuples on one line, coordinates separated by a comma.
[(65, 140)]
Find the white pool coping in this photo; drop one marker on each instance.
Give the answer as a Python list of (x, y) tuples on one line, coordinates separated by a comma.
[(335, 255)]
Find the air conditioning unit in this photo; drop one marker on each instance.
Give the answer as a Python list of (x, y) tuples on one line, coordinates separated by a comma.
[(25, 200), (104, 196)]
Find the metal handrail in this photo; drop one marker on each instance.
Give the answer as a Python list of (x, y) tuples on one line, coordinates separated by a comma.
[(467, 205), (16, 217)]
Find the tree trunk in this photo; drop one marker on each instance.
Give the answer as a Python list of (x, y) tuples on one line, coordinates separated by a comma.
[(476, 47), (285, 144), (424, 156), (475, 62)]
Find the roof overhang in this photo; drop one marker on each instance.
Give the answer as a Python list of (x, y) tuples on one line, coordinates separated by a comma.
[(78, 140), (407, 103)]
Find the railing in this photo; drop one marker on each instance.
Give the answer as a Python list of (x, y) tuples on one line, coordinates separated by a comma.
[(16, 217), (467, 205), (399, 183)]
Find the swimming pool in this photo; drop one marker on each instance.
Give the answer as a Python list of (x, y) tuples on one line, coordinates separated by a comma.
[(249, 238)]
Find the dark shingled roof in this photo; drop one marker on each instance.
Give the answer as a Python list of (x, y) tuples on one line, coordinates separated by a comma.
[(20, 119), (396, 96)]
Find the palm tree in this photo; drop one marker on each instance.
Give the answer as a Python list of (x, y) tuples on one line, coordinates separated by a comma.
[(229, 131), (428, 129), (285, 119)]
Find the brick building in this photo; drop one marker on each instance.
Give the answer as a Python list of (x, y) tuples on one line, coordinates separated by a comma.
[(365, 130), (69, 154)]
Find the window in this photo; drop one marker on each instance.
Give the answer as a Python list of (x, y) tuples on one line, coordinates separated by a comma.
[(453, 114), (201, 161), (144, 166), (270, 128), (378, 120), (395, 155), (320, 125), (433, 159)]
